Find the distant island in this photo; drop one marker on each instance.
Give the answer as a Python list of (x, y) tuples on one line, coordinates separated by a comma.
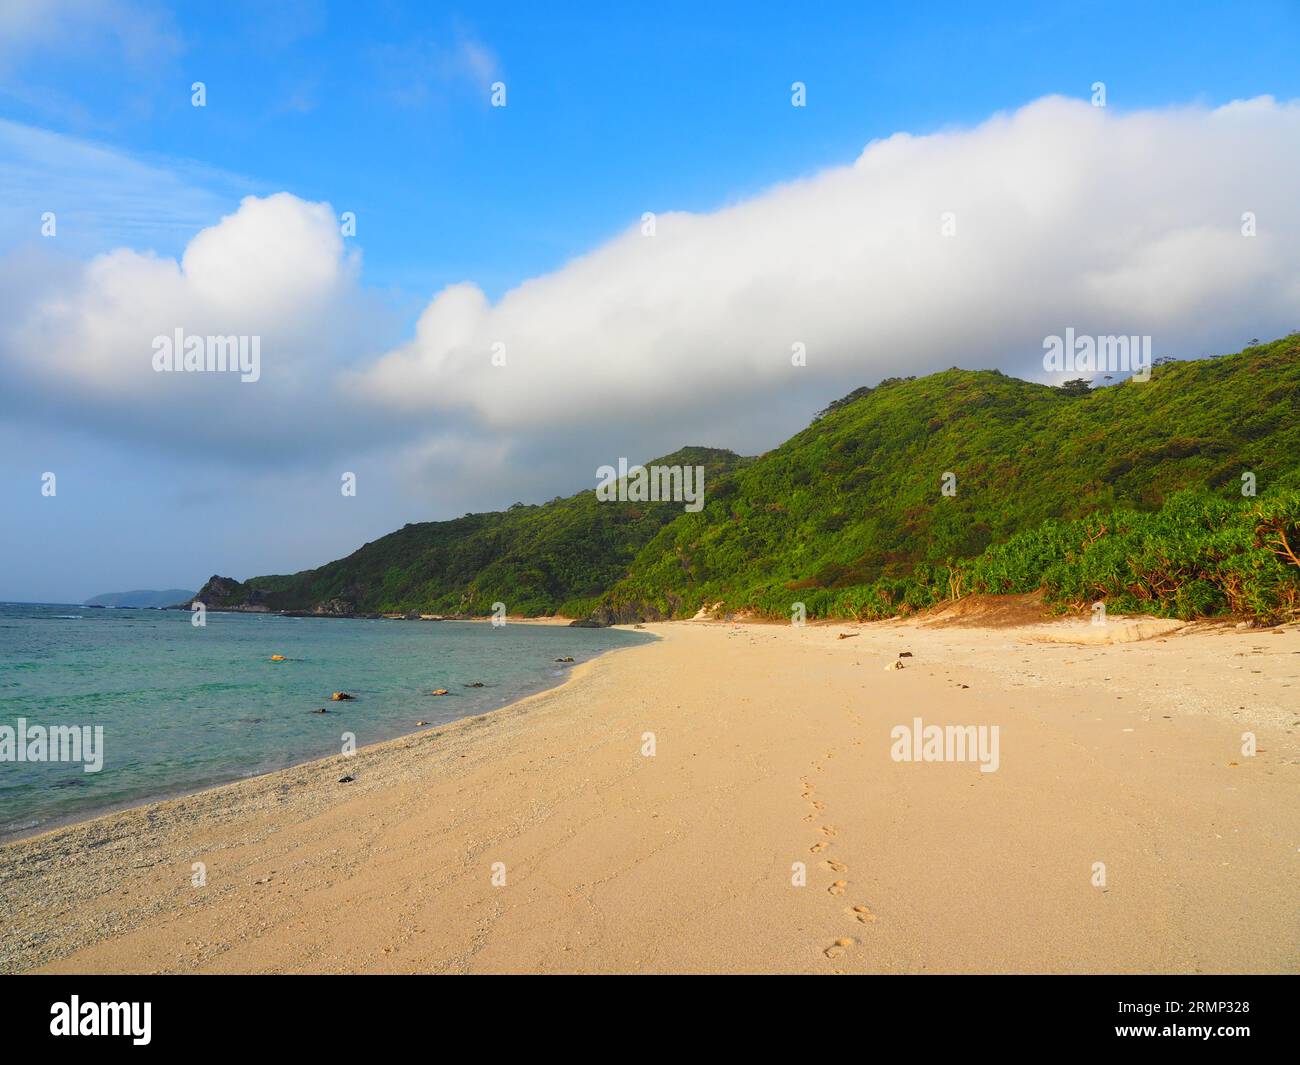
[(142, 598)]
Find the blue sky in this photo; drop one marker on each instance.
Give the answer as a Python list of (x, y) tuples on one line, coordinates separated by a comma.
[(610, 112), (383, 109)]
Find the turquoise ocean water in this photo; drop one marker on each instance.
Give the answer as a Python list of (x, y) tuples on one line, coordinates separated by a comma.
[(184, 707)]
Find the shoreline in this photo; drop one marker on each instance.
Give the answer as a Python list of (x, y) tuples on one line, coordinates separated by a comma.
[(224, 802), (620, 862), (541, 619), (91, 814)]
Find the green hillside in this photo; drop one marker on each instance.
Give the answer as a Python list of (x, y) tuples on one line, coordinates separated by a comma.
[(848, 516), (1131, 492), (556, 557)]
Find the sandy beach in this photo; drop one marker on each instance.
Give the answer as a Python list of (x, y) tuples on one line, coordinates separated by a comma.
[(653, 814)]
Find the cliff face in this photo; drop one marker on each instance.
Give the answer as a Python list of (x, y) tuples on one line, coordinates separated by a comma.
[(335, 607), (226, 593)]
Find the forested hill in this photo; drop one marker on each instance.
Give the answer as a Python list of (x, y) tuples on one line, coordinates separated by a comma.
[(556, 557), (855, 500), (898, 497)]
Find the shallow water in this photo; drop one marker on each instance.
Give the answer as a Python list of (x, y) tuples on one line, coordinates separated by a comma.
[(185, 707)]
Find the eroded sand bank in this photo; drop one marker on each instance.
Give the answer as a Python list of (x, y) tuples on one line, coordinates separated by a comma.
[(772, 747)]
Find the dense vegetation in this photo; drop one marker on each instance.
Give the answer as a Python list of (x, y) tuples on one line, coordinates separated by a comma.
[(1200, 555), (556, 557), (1132, 493)]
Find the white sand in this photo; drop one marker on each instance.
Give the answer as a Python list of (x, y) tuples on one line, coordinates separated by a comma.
[(770, 741)]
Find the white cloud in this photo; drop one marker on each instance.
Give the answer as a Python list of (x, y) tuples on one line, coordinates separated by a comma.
[(80, 338), (1067, 215)]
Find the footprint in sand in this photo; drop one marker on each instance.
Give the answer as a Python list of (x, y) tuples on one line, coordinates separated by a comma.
[(817, 848), (827, 830), (839, 947), (818, 805), (810, 817), (834, 866), (838, 887), (863, 914)]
